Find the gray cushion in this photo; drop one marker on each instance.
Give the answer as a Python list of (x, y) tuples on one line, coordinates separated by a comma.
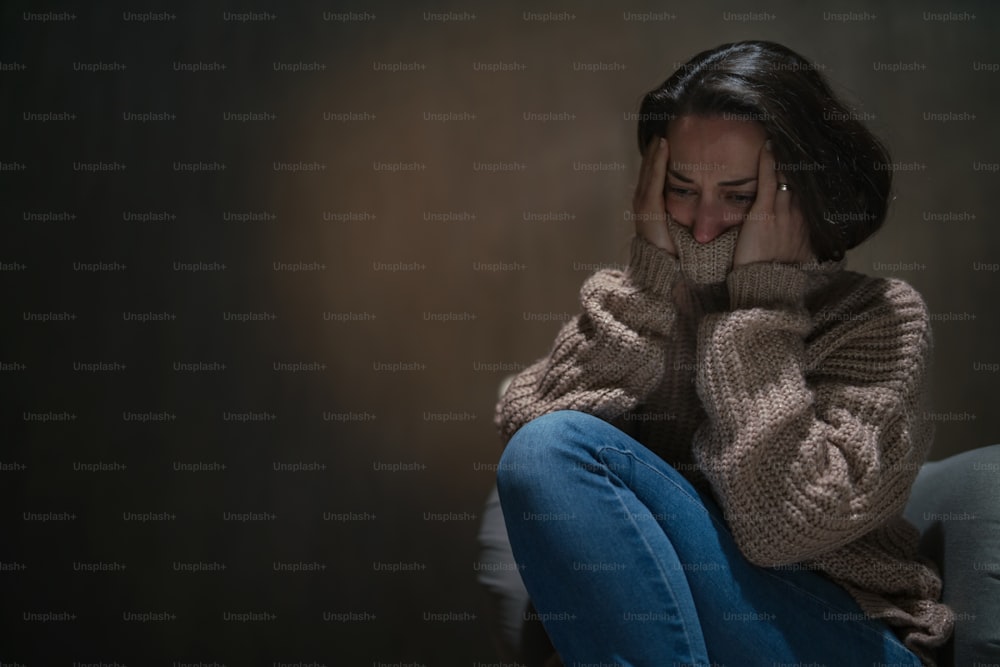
[(955, 503)]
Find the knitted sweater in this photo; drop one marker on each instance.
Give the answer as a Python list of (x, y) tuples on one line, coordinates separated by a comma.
[(793, 393)]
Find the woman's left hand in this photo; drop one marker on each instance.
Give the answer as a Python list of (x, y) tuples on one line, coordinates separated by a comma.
[(773, 230)]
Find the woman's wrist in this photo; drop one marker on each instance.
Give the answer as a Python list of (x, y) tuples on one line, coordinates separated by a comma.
[(652, 268)]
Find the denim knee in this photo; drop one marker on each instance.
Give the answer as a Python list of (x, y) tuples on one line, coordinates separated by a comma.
[(545, 448)]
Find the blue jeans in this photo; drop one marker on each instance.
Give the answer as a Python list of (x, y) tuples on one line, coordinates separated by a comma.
[(628, 564)]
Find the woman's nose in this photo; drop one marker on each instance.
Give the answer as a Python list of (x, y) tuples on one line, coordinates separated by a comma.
[(710, 222)]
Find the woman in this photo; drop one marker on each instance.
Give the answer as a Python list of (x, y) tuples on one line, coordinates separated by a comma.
[(711, 464)]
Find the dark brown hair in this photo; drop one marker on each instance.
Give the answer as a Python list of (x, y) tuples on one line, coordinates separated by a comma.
[(839, 171)]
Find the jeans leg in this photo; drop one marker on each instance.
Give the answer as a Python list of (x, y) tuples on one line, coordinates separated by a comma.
[(628, 564), (592, 559)]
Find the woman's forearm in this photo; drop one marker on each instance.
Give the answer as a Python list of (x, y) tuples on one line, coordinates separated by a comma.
[(807, 455), (609, 357)]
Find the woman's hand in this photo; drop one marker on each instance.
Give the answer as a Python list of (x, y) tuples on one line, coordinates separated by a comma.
[(648, 205), (773, 230)]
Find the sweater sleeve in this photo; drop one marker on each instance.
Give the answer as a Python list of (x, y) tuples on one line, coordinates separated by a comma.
[(606, 359), (806, 455)]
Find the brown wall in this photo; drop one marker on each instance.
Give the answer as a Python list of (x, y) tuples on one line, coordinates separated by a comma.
[(543, 263)]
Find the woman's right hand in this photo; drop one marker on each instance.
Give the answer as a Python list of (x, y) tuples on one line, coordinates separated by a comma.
[(648, 205)]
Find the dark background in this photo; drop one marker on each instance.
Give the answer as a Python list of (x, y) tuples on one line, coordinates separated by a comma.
[(420, 290)]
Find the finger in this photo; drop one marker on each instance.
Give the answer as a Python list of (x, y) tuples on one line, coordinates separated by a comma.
[(789, 223), (785, 227), (647, 159), (782, 201), (798, 223), (647, 155), (767, 185), (650, 195)]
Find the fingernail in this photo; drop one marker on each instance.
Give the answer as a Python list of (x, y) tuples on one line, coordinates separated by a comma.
[(663, 142), (767, 145)]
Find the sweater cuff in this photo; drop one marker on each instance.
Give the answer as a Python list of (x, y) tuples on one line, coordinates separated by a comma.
[(766, 284), (652, 268)]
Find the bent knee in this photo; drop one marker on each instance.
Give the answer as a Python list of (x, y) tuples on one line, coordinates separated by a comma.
[(531, 447), (545, 448)]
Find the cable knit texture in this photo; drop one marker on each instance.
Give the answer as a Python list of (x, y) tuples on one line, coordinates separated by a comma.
[(793, 393)]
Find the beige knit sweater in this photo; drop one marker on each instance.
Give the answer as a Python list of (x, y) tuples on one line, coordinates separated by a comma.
[(795, 394)]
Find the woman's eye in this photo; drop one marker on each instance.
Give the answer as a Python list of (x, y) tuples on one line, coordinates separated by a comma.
[(743, 198), (679, 192)]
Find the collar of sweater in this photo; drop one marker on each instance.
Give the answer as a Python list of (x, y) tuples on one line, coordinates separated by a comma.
[(710, 263)]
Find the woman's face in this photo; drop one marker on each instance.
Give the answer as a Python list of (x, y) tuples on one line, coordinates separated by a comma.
[(712, 174)]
